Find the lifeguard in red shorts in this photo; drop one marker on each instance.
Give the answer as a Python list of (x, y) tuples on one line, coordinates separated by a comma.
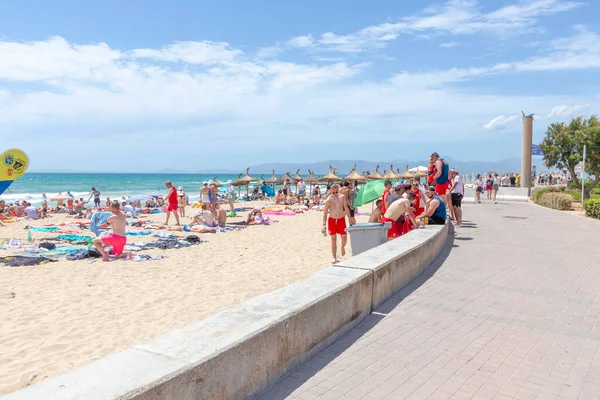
[(172, 202), (396, 213), (334, 219)]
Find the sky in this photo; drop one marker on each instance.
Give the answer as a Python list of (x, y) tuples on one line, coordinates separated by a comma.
[(187, 85)]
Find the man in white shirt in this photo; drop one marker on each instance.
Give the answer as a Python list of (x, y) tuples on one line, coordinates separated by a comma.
[(127, 209), (456, 194), (30, 211), (301, 187)]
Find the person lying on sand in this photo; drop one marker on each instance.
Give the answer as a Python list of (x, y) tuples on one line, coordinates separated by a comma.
[(118, 238), (200, 228), (254, 214)]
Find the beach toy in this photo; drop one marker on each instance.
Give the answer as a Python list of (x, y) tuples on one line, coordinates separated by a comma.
[(232, 214), (13, 164)]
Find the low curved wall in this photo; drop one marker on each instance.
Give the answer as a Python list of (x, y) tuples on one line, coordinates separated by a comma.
[(239, 352)]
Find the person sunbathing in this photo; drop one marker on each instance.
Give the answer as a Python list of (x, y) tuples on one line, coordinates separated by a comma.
[(193, 227), (256, 213)]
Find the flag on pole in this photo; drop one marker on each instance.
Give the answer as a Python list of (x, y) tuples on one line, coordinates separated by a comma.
[(535, 150)]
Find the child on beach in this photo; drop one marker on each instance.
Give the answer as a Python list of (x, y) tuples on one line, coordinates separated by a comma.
[(118, 238)]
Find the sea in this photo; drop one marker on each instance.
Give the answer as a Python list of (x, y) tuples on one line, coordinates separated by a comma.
[(31, 186)]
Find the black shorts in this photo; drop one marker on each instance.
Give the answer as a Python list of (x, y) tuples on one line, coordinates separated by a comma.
[(97, 202), (456, 199), (285, 191), (436, 221)]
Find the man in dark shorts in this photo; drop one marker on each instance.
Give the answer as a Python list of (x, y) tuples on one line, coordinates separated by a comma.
[(436, 209), (96, 195), (457, 192)]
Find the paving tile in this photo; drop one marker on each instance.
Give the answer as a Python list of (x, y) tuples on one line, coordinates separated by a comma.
[(508, 310)]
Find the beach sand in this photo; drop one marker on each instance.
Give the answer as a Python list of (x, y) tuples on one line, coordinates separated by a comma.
[(58, 316)]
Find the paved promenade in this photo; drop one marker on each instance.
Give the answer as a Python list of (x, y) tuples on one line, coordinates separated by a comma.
[(508, 311)]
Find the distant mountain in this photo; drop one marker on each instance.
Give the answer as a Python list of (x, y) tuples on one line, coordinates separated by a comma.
[(345, 166)]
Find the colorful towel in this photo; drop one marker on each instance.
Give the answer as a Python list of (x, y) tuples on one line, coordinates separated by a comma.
[(43, 228), (74, 238), (140, 233), (99, 218)]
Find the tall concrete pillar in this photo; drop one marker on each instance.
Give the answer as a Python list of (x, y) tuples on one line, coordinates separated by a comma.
[(526, 151)]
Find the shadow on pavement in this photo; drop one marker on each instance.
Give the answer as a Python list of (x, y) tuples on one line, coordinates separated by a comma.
[(298, 376)]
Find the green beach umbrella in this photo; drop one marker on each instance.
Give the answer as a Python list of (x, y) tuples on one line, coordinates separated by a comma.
[(371, 191)]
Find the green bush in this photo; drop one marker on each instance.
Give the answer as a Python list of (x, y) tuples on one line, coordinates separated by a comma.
[(592, 208), (537, 193), (557, 201), (575, 194)]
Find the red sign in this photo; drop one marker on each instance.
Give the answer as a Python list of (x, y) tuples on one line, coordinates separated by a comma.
[(9, 172)]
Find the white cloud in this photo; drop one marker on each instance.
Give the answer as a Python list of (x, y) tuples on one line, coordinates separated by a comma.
[(566, 110), (191, 52), (457, 17), (448, 44), (301, 41), (499, 123)]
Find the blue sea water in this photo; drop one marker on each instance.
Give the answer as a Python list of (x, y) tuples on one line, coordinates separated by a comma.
[(31, 186)]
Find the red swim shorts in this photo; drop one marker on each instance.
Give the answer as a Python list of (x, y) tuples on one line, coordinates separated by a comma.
[(172, 207), (116, 241), (336, 226), (441, 190), (396, 229)]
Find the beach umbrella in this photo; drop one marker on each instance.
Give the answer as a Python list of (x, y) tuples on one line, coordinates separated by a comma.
[(330, 176), (392, 176), (375, 175), (297, 177), (311, 179), (420, 168), (272, 180), (216, 182), (371, 191), (355, 176), (419, 174), (238, 183), (406, 174), (246, 179), (286, 176)]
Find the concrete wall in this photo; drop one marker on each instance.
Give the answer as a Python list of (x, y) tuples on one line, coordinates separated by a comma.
[(239, 352), (396, 263)]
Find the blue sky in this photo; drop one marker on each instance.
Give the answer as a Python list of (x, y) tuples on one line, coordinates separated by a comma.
[(149, 85)]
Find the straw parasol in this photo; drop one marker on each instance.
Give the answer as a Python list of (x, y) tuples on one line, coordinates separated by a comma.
[(216, 182), (355, 176), (330, 176), (375, 175), (286, 176), (273, 179), (406, 174), (391, 175), (420, 174), (238, 182), (311, 179), (246, 179), (297, 177)]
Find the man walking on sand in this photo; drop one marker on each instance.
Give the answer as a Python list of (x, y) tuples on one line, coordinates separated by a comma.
[(171, 202), (334, 220), (118, 238)]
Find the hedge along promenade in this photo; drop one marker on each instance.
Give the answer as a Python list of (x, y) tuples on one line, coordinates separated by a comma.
[(240, 352)]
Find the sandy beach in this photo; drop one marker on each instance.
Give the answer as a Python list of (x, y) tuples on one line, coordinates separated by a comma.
[(61, 315)]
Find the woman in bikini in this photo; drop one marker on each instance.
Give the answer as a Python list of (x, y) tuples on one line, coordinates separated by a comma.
[(182, 201)]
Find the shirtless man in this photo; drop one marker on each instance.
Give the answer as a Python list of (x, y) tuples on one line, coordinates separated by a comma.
[(118, 238), (442, 178), (349, 194), (334, 219), (396, 213), (376, 214)]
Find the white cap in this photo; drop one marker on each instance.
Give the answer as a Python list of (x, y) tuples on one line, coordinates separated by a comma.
[(180, 188), (205, 183)]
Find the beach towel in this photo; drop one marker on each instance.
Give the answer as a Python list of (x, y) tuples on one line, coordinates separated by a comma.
[(21, 261), (74, 238), (140, 233), (43, 228), (99, 218)]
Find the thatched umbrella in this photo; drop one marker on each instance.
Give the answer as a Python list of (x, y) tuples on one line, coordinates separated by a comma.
[(272, 180), (375, 175), (355, 176), (297, 177), (330, 176), (406, 174), (420, 174), (311, 179), (238, 183), (285, 177), (216, 182), (246, 179)]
